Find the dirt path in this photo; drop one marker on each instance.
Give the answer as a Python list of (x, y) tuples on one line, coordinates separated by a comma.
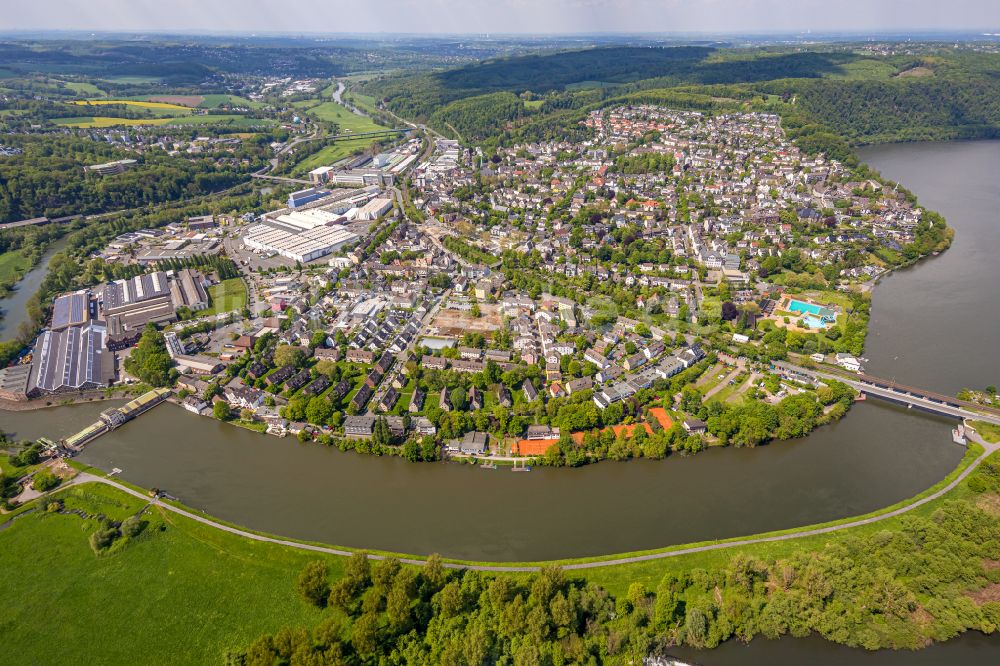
[(514, 568)]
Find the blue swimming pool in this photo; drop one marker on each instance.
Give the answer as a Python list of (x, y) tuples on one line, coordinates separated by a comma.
[(816, 316), (804, 308)]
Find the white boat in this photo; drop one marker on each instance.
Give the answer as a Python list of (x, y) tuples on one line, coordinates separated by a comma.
[(958, 435)]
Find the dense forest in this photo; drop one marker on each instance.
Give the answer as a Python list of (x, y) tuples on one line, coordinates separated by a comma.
[(929, 579), (843, 94), (418, 96), (48, 179)]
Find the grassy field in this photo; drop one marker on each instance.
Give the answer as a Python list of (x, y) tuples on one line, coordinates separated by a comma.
[(345, 119), (363, 102), (229, 120), (139, 103), (178, 593), (988, 431), (82, 88), (215, 101), (13, 265), (330, 154), (101, 121), (226, 296)]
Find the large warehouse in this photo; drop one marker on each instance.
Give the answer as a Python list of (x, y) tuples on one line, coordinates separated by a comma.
[(123, 294), (298, 243), (71, 310), (73, 358)]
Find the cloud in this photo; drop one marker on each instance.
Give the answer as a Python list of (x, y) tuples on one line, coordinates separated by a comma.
[(502, 16)]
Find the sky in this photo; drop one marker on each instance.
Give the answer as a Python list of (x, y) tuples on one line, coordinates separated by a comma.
[(501, 16)]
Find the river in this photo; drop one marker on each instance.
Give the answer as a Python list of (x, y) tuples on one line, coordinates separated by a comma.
[(936, 324), (12, 307), (932, 325)]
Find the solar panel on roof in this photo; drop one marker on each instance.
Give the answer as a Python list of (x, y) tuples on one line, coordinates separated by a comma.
[(60, 312)]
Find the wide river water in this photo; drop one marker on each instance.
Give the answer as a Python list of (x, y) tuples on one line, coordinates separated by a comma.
[(934, 325)]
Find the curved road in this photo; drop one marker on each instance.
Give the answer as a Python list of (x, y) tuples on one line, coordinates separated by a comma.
[(85, 477)]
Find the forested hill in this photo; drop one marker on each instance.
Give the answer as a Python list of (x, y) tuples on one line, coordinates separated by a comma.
[(943, 93), (595, 69)]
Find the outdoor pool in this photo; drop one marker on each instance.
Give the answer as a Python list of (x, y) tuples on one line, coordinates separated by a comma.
[(816, 316)]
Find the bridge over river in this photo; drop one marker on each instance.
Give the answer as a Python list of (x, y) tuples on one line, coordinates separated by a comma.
[(892, 391)]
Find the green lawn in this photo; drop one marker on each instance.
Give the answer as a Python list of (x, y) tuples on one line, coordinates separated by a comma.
[(226, 296), (331, 154), (345, 119), (13, 265), (84, 89), (988, 431), (363, 102), (231, 120), (179, 593)]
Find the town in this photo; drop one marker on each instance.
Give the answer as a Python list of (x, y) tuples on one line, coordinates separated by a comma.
[(622, 295)]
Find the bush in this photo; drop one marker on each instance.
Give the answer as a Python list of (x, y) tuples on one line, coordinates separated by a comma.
[(45, 480), (314, 583), (133, 526), (977, 484), (103, 539), (221, 411)]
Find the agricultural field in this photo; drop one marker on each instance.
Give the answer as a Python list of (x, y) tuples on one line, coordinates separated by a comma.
[(135, 102), (346, 120), (101, 121), (82, 88), (211, 101), (230, 120), (226, 296)]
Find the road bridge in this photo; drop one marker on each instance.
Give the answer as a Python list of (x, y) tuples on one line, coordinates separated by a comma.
[(902, 394)]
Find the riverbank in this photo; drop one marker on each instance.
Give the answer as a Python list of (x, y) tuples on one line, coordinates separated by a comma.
[(976, 454), (169, 560), (47, 402)]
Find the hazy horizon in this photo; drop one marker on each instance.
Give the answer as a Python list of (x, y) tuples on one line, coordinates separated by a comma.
[(505, 17)]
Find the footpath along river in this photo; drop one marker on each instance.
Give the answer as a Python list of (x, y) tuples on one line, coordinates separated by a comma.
[(933, 325)]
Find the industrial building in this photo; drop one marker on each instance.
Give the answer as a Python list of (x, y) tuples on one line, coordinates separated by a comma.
[(374, 209), (122, 294), (110, 168), (320, 175), (73, 358), (296, 243), (128, 305), (309, 219), (71, 310), (187, 290), (302, 197), (362, 177)]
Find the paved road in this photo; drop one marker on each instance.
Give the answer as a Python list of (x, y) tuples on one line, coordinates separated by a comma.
[(86, 477), (913, 400)]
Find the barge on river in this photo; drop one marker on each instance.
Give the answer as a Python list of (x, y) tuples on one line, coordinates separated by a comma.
[(116, 417)]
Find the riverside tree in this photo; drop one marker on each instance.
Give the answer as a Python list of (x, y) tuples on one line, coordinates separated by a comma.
[(149, 361)]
